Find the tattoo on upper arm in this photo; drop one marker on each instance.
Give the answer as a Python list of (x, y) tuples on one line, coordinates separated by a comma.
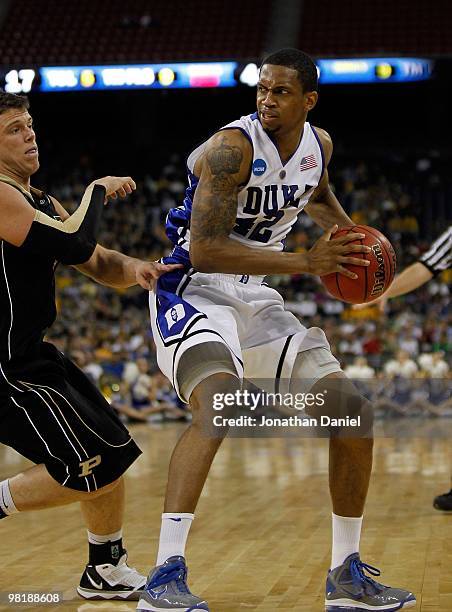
[(216, 199), (224, 159)]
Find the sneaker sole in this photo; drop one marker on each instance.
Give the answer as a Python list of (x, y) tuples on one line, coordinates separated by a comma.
[(347, 604), (145, 606), (97, 595)]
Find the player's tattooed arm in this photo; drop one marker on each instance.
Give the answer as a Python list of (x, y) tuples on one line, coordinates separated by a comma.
[(216, 197), (224, 166), (323, 206)]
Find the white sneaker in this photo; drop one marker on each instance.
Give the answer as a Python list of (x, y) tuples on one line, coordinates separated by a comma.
[(109, 581)]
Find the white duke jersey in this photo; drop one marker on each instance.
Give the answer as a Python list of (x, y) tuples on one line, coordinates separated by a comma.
[(270, 202)]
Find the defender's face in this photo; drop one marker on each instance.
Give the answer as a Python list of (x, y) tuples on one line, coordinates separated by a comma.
[(281, 103), (18, 149)]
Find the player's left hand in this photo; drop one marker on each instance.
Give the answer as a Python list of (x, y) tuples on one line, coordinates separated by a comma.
[(147, 273)]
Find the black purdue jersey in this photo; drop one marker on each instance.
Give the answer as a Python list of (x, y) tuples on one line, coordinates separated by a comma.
[(27, 290)]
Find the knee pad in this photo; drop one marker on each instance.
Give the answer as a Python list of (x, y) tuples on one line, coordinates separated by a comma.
[(201, 361)]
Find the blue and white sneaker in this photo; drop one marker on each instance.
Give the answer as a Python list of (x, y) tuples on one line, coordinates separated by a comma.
[(348, 588), (166, 589)]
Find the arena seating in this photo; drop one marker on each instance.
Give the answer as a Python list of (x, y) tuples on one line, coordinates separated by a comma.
[(380, 26), (110, 31), (62, 32)]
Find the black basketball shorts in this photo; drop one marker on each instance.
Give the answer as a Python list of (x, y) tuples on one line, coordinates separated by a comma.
[(51, 413)]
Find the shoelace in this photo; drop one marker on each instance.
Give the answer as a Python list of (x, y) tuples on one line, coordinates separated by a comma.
[(123, 574), (175, 571), (357, 568)]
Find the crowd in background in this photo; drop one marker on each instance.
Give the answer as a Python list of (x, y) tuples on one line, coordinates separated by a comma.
[(107, 331)]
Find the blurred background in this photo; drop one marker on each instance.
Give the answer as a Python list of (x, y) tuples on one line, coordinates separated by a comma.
[(131, 88)]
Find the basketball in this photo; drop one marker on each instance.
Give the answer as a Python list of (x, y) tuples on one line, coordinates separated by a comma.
[(374, 279)]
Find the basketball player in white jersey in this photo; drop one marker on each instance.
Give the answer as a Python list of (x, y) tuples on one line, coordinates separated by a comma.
[(216, 323)]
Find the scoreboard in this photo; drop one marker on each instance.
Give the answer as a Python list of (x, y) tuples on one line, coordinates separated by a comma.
[(202, 74), (128, 76)]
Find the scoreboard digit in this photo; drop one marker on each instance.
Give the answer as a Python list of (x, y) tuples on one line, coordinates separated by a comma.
[(19, 81)]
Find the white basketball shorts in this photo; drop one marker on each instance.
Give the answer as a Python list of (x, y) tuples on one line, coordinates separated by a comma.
[(248, 317)]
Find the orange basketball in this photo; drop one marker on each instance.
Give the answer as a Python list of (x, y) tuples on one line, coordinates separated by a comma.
[(374, 279)]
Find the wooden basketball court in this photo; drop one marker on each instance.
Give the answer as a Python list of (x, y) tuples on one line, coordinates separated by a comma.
[(261, 539)]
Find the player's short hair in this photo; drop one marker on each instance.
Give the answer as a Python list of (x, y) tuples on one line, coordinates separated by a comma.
[(10, 100), (299, 61)]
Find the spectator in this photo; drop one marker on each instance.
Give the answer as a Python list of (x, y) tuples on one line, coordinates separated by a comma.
[(360, 369), (402, 366), (437, 367)]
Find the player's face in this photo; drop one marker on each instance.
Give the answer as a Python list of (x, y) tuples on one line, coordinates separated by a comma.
[(18, 149), (281, 103)]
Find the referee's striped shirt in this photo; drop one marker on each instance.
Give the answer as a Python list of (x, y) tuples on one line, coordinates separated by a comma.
[(439, 255)]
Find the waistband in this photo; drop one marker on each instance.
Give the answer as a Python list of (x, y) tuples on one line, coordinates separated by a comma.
[(236, 279)]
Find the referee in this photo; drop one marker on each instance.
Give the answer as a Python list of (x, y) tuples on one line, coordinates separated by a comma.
[(49, 410), (434, 261)]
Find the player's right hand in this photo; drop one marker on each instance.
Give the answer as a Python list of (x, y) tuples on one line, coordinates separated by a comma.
[(329, 254), (116, 186)]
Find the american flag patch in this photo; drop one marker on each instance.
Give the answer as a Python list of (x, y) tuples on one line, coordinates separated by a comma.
[(308, 162)]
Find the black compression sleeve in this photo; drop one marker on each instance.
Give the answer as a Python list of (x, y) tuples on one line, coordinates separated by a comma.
[(74, 240)]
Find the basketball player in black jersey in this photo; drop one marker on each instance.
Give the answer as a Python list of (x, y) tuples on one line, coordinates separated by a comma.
[(49, 410)]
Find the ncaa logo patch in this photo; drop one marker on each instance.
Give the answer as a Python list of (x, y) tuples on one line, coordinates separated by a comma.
[(259, 167), (174, 314)]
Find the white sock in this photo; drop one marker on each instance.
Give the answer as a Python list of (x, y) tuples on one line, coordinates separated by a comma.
[(93, 538), (173, 535), (6, 499), (346, 536)]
